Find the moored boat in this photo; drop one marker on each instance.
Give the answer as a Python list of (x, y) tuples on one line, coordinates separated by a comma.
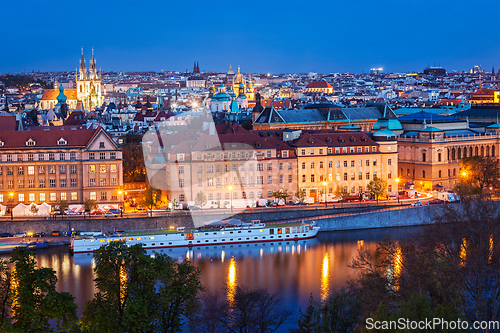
[(207, 235)]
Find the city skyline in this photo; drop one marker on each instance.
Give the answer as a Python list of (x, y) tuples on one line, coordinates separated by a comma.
[(277, 37)]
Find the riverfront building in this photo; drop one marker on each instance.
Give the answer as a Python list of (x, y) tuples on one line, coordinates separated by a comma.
[(51, 164)]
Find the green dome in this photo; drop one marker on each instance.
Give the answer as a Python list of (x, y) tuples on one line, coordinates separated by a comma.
[(384, 134), (61, 98), (389, 123)]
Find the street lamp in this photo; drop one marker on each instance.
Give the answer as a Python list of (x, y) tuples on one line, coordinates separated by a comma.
[(324, 184), (11, 199), (397, 187), (230, 188), (121, 208)]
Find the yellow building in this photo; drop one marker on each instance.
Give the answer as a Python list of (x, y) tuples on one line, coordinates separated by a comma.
[(349, 160), (50, 164)]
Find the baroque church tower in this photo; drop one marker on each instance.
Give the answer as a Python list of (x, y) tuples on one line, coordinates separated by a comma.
[(88, 85)]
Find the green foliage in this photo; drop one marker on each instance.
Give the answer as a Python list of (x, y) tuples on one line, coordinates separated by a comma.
[(300, 195), (134, 169), (63, 205), (477, 175), (340, 192), (377, 187), (150, 198), (21, 81), (140, 293), (34, 300), (5, 302), (280, 194), (200, 199), (89, 206)]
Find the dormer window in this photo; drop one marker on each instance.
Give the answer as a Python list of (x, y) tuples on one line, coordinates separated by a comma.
[(341, 139), (30, 142), (311, 141), (62, 142), (364, 139), (2, 143), (353, 139)]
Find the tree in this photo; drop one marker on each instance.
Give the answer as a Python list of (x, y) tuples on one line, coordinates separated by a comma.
[(280, 194), (300, 195), (63, 205), (5, 302), (140, 293), (34, 299), (134, 169), (377, 187), (340, 193), (478, 174), (150, 198), (33, 209), (200, 199), (89, 206), (249, 311)]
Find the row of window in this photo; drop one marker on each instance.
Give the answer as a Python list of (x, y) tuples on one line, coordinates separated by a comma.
[(344, 150), (52, 183), (345, 164), (233, 155), (30, 170), (102, 168), (73, 196), (423, 173), (235, 167), (52, 157), (352, 176)]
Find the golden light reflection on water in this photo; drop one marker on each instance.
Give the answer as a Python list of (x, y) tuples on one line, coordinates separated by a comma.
[(360, 243), (491, 248), (398, 258), (325, 277), (463, 250), (231, 281), (13, 289), (222, 256)]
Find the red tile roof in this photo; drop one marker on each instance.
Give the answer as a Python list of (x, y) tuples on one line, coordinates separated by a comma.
[(51, 94), (318, 84), (48, 136)]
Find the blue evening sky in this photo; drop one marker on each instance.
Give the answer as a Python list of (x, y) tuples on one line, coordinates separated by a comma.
[(260, 36)]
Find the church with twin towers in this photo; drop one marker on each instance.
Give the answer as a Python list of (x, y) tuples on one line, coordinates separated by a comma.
[(88, 84)]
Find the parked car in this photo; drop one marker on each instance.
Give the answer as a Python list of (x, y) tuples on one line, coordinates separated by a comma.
[(98, 212), (115, 211), (55, 233), (140, 208), (20, 234), (436, 202), (6, 234), (108, 214), (417, 204), (70, 212), (39, 234)]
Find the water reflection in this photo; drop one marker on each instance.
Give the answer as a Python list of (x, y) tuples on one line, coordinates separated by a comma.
[(325, 278), (231, 281), (294, 270)]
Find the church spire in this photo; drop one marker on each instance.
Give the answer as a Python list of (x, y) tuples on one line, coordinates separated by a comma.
[(93, 67), (83, 68)]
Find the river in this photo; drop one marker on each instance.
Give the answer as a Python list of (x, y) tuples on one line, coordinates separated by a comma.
[(294, 270)]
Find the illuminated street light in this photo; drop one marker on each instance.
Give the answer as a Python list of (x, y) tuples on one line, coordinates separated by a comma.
[(324, 184), (11, 199), (122, 206), (464, 173)]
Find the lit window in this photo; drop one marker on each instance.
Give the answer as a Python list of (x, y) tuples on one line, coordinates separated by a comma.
[(31, 170), (42, 197), (31, 197), (20, 197), (74, 196), (63, 196), (102, 168), (93, 195), (52, 197)]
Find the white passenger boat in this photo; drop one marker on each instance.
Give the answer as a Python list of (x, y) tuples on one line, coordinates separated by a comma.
[(209, 235)]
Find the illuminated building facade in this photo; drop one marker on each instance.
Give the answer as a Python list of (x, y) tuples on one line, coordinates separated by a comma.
[(88, 85), (50, 164)]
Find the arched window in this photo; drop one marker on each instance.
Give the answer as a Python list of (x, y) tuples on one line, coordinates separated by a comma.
[(439, 173), (449, 173), (459, 153), (81, 88), (321, 165), (252, 195), (454, 172), (476, 151), (244, 195), (482, 151), (470, 152), (453, 154), (493, 151), (448, 153), (465, 152), (408, 172), (423, 173), (487, 150)]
